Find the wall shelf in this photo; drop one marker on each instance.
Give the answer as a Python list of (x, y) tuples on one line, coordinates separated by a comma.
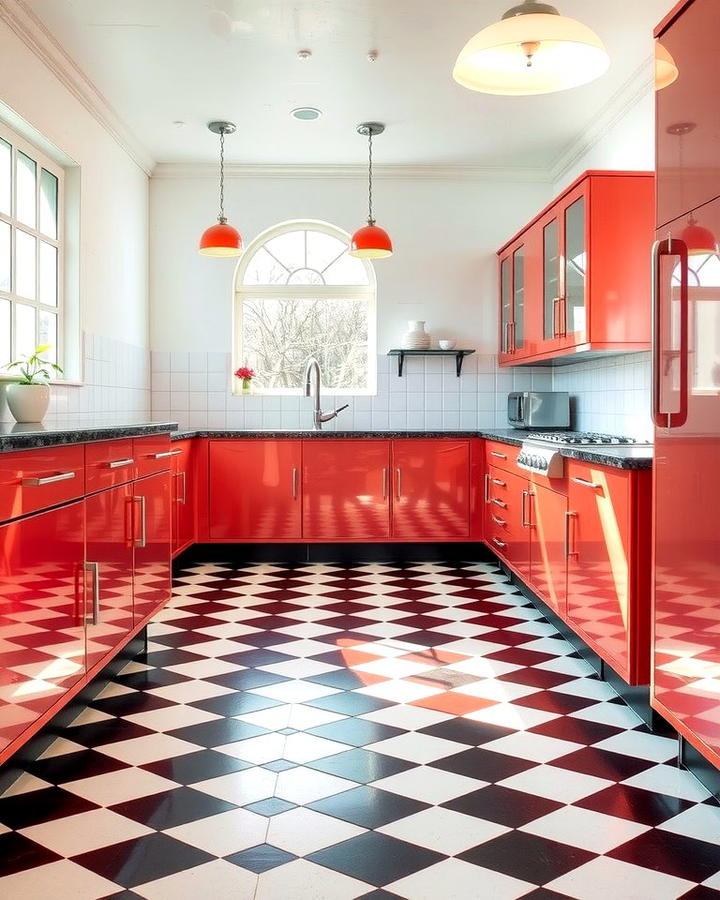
[(458, 354)]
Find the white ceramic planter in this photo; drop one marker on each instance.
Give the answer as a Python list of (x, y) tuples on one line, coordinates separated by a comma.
[(28, 402)]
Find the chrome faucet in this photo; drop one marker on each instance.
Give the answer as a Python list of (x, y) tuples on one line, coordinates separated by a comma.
[(312, 369)]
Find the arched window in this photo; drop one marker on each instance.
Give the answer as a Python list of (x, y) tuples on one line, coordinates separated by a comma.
[(297, 294)]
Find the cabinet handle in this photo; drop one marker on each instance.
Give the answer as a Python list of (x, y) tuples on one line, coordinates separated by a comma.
[(165, 454), (94, 567), (513, 348), (47, 479), (523, 520), (556, 329), (507, 338), (182, 499), (487, 488), (499, 542), (498, 521), (584, 483), (385, 483), (142, 540), (498, 502), (498, 482), (563, 317), (119, 463), (568, 516), (499, 455), (295, 484), (398, 473), (670, 247)]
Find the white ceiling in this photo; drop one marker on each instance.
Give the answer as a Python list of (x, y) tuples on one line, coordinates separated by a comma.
[(157, 61)]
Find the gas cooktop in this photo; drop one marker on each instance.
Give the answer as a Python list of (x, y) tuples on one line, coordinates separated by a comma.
[(579, 437)]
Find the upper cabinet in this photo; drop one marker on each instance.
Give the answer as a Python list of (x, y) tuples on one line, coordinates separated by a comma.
[(576, 278)]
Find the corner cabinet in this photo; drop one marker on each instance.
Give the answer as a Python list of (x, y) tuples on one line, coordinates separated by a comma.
[(576, 279)]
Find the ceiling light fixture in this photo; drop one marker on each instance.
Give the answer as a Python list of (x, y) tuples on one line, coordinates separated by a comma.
[(698, 239), (666, 71), (370, 241), (532, 50), (221, 239), (306, 113)]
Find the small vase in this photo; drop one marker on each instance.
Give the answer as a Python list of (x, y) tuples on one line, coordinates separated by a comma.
[(416, 338), (28, 402), (246, 386)]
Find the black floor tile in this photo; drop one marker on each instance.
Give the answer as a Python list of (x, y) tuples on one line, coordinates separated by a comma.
[(170, 808), (349, 703), (72, 766), (32, 808), (95, 734), (368, 806), (502, 805), (236, 704), (672, 853), (527, 857), (635, 804), (261, 858), (217, 732), (578, 730), (246, 679), (192, 767), (18, 853), (361, 765), (357, 732), (466, 731), (483, 764), (343, 679), (603, 763), (273, 806)]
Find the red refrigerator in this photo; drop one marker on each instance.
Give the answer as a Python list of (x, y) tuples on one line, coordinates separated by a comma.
[(686, 383)]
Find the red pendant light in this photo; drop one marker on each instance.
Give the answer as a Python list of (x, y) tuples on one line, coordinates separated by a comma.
[(370, 241), (221, 239), (700, 241)]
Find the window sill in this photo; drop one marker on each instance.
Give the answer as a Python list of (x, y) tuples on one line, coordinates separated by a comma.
[(9, 379)]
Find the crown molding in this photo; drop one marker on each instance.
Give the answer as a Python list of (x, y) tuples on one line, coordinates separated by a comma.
[(23, 22), (636, 88), (395, 172)]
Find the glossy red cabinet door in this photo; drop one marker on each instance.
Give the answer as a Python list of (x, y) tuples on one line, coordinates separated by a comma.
[(599, 578), (183, 496), (152, 538), (42, 615), (346, 485), (255, 490), (548, 569), (688, 114), (109, 570), (506, 520), (431, 496)]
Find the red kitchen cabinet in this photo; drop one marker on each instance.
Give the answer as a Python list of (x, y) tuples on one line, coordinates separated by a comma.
[(515, 265), (586, 282), (548, 523), (506, 506), (607, 588), (109, 565), (255, 490), (183, 496), (152, 539), (688, 115), (431, 496), (42, 615), (346, 486), (31, 480)]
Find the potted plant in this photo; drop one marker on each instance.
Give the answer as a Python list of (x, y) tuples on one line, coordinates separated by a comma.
[(28, 397), (246, 375)]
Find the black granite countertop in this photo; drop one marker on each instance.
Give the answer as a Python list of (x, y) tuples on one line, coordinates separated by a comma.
[(618, 456), (14, 436)]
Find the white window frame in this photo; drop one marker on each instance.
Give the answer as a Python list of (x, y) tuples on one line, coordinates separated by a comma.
[(242, 292), (42, 161)]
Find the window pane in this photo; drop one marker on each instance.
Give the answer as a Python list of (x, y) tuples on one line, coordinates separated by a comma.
[(47, 333), (48, 274), (25, 264), (279, 335), (289, 249), (264, 269), (323, 249), (5, 174), (48, 203), (4, 332), (4, 257), (305, 276), (347, 270), (25, 341), (25, 189)]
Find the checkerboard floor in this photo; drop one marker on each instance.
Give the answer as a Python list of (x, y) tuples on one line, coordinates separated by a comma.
[(416, 731)]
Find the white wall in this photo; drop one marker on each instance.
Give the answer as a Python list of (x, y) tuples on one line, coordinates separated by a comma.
[(113, 267)]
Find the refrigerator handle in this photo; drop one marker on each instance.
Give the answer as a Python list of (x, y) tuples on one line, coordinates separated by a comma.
[(669, 247)]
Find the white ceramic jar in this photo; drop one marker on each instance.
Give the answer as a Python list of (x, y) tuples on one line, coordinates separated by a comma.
[(28, 402), (416, 338)]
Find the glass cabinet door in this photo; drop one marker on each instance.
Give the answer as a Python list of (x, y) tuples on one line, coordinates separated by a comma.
[(551, 278), (574, 311), (517, 331), (505, 304)]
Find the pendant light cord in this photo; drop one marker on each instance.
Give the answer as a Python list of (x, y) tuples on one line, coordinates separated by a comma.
[(221, 217), (371, 221)]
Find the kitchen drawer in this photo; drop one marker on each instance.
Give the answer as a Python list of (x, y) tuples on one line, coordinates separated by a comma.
[(108, 463), (154, 454), (35, 479), (501, 455)]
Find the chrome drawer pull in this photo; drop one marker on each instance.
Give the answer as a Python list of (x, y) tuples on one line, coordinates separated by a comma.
[(94, 567), (295, 483), (183, 499), (119, 463), (385, 483), (498, 502), (398, 472), (499, 455), (165, 454), (499, 482), (499, 542), (584, 483), (487, 488), (141, 542), (498, 521), (568, 516), (47, 479)]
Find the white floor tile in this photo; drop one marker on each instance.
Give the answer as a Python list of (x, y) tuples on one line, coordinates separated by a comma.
[(169, 717), (584, 828), (604, 877), (303, 880), (429, 785), (508, 715), (299, 668), (85, 831), (190, 691), (261, 749), (213, 879), (115, 787), (411, 718), (454, 879), (302, 785), (302, 831), (664, 779), (609, 714), (417, 748), (302, 748), (225, 833), (294, 691), (701, 822), (535, 747), (641, 745), (45, 881), (240, 788), (400, 691), (443, 830), (556, 784), (149, 748)]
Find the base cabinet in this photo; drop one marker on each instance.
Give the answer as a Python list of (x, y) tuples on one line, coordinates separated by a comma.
[(42, 615), (152, 537), (548, 532), (183, 496)]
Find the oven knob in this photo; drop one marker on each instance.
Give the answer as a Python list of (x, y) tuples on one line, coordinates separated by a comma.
[(544, 465)]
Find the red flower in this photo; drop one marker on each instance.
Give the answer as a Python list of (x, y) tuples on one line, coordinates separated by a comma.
[(245, 373)]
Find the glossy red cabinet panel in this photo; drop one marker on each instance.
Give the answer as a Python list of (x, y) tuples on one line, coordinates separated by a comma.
[(183, 474), (108, 571), (152, 454), (431, 492), (506, 517), (346, 490), (152, 539), (35, 479), (548, 563), (42, 615), (108, 463), (688, 115), (255, 490)]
